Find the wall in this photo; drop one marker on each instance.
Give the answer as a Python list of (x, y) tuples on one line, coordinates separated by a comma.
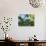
[(12, 8)]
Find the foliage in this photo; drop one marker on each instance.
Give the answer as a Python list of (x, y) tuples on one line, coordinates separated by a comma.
[(28, 20)]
